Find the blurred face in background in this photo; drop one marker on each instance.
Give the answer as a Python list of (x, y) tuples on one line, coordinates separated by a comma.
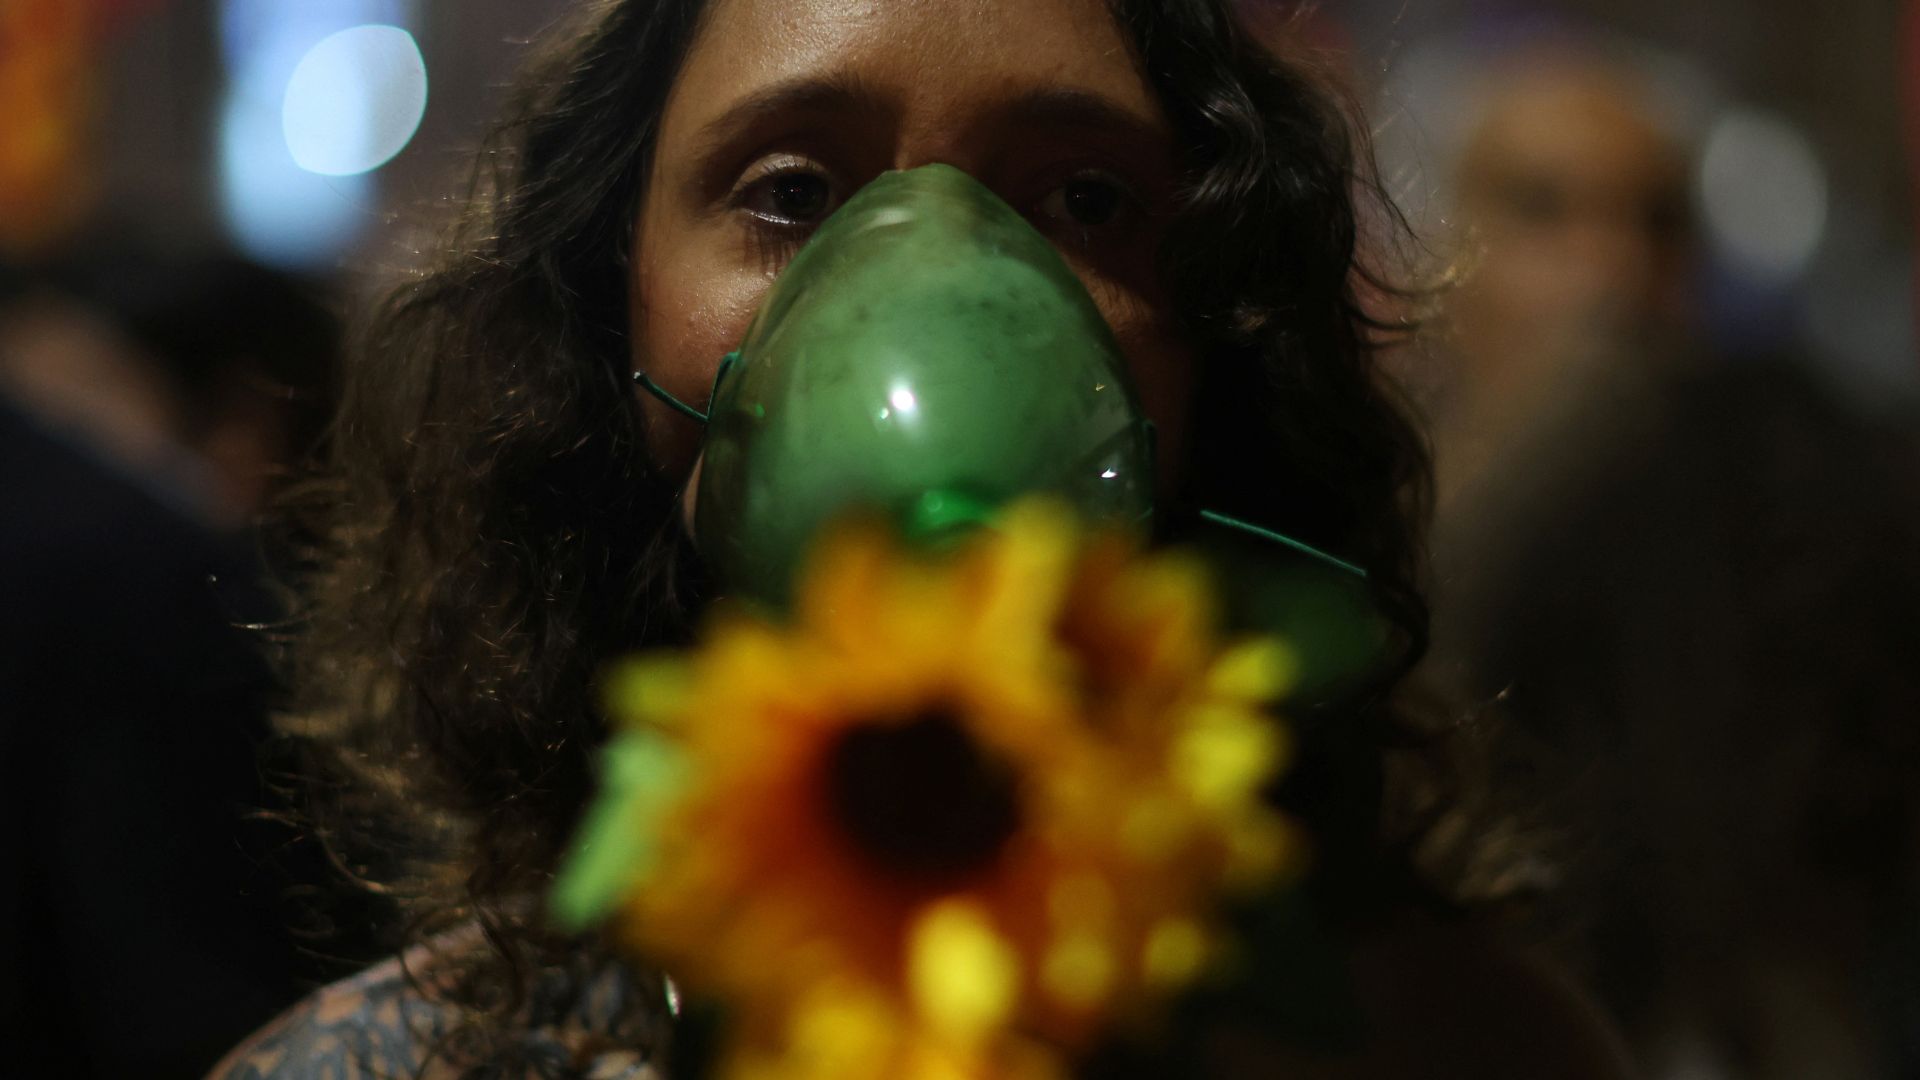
[(1577, 214)]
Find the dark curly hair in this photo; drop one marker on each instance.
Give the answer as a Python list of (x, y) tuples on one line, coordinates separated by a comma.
[(494, 530)]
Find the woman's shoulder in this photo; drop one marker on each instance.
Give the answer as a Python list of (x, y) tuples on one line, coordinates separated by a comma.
[(1442, 1002), (387, 1023), (373, 1024)]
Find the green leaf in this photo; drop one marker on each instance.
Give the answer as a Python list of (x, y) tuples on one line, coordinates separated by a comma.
[(641, 775)]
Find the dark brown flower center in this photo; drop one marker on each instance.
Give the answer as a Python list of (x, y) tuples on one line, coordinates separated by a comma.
[(922, 799)]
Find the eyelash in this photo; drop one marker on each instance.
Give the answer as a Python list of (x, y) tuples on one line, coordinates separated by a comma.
[(776, 240), (1129, 204)]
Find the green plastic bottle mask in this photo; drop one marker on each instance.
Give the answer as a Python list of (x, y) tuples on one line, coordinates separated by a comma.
[(928, 355)]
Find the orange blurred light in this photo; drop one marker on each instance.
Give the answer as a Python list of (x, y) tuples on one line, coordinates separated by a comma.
[(48, 90)]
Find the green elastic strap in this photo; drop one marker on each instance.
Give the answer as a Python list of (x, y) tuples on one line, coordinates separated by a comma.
[(681, 407), (1283, 540)]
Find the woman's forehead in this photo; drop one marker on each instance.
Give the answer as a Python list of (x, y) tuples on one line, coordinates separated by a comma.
[(920, 61)]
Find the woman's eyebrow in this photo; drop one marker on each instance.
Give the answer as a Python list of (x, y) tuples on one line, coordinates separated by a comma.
[(838, 93), (1056, 108), (843, 93)]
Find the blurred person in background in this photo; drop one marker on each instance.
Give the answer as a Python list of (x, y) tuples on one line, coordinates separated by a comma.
[(1682, 584), (1699, 627), (1563, 179), (200, 377), (148, 404)]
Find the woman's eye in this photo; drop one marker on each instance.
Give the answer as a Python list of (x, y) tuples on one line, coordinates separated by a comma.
[(1085, 202), (792, 197)]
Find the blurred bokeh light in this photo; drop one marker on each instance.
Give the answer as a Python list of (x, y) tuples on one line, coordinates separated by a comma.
[(318, 94), (1763, 191), (355, 100)]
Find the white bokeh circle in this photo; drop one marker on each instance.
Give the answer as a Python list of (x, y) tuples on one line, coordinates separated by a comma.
[(355, 100)]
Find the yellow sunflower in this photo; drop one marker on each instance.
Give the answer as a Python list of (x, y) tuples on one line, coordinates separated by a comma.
[(956, 815)]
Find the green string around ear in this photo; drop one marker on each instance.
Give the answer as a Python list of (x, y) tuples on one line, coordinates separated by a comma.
[(681, 407), (1283, 540)]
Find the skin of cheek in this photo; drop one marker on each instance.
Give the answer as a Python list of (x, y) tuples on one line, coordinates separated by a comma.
[(683, 324), (1162, 365)]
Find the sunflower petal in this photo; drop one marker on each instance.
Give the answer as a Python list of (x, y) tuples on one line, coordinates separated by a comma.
[(1080, 969), (965, 977), (1175, 952), (1262, 669), (1225, 757)]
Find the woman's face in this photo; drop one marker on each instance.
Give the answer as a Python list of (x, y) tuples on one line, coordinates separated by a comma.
[(785, 108)]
